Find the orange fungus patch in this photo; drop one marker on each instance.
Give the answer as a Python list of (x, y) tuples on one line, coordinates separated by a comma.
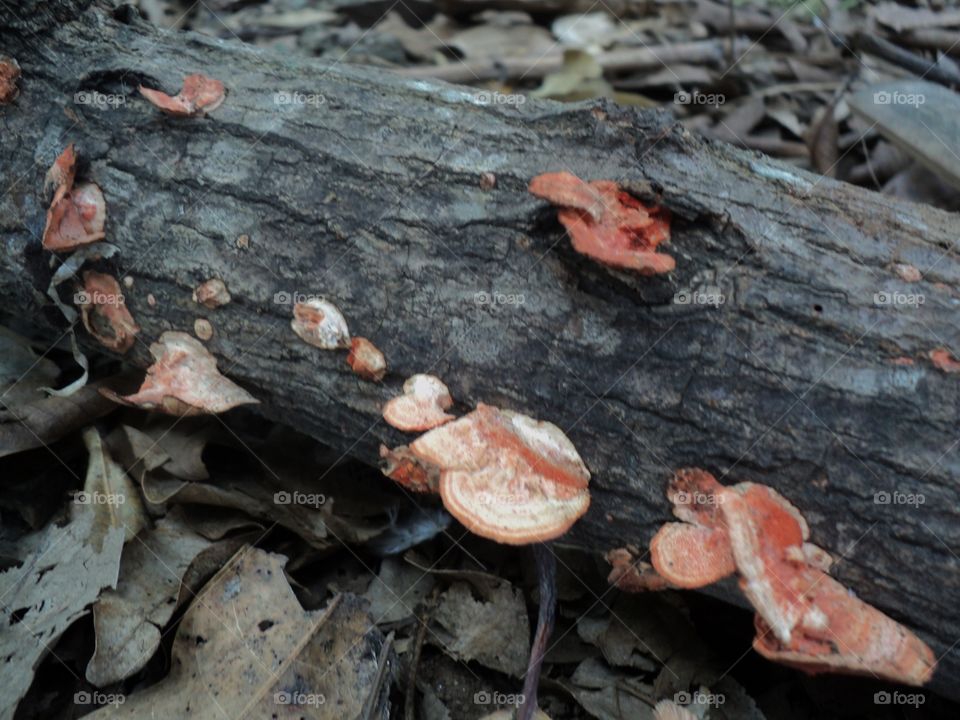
[(608, 224)]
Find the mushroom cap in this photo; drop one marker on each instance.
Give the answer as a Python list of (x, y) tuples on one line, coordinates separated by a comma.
[(506, 476), (320, 323), (366, 360), (691, 556), (840, 633), (184, 380), (422, 405), (77, 214)]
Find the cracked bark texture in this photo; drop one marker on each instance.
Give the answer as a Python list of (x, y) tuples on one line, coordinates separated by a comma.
[(372, 198)]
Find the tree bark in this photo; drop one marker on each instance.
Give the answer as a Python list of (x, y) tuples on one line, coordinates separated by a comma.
[(366, 189)]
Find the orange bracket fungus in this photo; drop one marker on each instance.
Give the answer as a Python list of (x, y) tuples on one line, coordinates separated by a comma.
[(212, 294), (422, 405), (199, 96), (608, 224), (805, 618), (942, 360), (77, 213), (366, 360), (105, 315), (9, 72), (321, 324), (184, 380), (509, 478)]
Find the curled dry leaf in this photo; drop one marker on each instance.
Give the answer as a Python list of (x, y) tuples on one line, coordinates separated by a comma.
[(942, 360), (422, 405), (366, 360), (212, 294), (77, 213), (805, 618), (9, 72), (608, 224), (321, 324), (506, 476), (105, 314), (199, 96), (184, 380)]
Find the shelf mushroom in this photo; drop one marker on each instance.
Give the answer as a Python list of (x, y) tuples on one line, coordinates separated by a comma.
[(421, 407), (509, 478), (199, 96), (608, 224), (184, 380), (805, 618)]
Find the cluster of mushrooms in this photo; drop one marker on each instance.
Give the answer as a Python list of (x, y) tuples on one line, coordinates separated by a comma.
[(509, 477)]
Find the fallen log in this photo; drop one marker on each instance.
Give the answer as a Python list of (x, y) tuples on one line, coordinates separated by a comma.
[(786, 348)]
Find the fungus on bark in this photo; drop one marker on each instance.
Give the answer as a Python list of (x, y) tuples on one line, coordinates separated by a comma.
[(184, 380), (422, 405), (631, 574), (199, 96), (104, 312), (514, 480), (366, 360), (608, 224), (942, 360), (805, 618), (77, 213), (406, 469), (202, 328), (212, 294), (9, 72), (321, 324)]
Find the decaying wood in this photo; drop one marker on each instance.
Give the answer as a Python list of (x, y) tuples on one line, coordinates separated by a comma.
[(369, 192)]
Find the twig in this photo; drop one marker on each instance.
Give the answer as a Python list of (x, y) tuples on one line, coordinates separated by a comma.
[(907, 60)]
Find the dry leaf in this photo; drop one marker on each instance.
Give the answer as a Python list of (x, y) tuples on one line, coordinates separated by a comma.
[(128, 621), (108, 487), (246, 648), (62, 570)]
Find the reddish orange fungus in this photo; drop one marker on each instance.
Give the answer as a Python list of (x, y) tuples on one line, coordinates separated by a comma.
[(422, 405), (105, 314), (944, 361), (77, 213), (184, 380), (199, 96), (608, 224), (9, 72), (212, 294), (403, 467), (506, 476), (805, 618), (366, 360)]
